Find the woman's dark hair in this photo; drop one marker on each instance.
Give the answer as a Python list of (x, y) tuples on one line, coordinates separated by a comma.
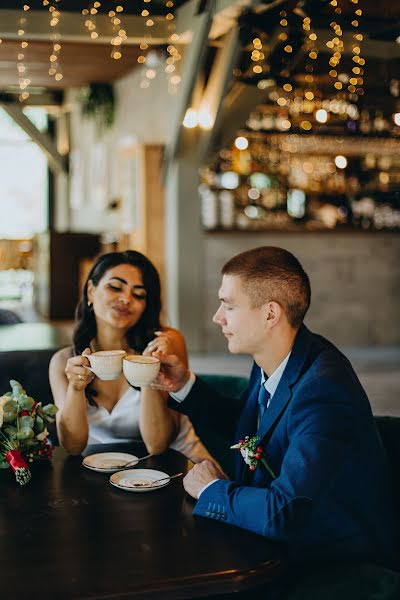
[(143, 331)]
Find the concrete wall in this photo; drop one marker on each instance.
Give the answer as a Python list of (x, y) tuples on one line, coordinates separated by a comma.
[(355, 282)]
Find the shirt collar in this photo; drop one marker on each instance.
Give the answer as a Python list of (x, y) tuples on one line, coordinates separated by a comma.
[(273, 380)]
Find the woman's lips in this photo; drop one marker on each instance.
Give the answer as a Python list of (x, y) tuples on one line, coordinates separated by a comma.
[(122, 310)]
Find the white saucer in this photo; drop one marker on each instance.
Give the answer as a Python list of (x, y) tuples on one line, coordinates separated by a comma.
[(109, 462), (125, 480)]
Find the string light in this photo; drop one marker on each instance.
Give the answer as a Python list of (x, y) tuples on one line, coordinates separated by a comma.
[(22, 69), (356, 82), (120, 34), (144, 45), (335, 44), (54, 20), (311, 53), (173, 55)]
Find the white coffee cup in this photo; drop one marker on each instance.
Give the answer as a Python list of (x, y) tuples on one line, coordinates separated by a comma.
[(140, 370), (106, 364)]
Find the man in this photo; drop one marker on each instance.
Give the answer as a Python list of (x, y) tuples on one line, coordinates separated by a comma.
[(330, 497)]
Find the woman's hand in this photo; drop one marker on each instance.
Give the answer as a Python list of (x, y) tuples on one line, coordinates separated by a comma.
[(162, 343), (79, 377)]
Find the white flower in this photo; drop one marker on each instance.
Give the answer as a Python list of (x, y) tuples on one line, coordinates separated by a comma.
[(3, 401), (43, 435)]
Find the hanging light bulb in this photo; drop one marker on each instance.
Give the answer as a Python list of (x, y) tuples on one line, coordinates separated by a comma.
[(321, 115), (241, 143), (340, 161), (191, 120)]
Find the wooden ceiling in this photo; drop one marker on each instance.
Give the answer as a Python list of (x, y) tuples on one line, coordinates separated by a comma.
[(81, 64), (83, 60), (132, 7)]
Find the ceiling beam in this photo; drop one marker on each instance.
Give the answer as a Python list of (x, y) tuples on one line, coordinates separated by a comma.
[(192, 65), (217, 84), (71, 27), (57, 164)]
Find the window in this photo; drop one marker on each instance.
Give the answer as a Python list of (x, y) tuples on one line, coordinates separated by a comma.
[(23, 178)]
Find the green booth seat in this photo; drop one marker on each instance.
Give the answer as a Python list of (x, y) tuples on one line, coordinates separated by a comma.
[(218, 445)]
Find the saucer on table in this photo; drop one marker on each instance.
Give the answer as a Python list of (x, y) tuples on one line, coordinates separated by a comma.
[(109, 462), (126, 480)]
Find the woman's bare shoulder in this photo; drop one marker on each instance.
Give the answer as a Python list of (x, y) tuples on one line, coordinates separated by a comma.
[(59, 359)]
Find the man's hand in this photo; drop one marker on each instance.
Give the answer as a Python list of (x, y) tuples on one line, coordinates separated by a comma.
[(201, 474), (173, 374)]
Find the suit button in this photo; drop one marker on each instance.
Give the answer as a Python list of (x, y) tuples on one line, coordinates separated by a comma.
[(212, 514), (223, 516), (207, 513)]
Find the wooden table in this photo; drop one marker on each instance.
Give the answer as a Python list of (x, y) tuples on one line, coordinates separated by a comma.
[(70, 534)]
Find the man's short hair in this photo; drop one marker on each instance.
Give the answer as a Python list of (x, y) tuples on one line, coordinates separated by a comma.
[(273, 274)]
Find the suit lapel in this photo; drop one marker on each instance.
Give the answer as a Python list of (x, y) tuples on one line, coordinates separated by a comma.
[(290, 375), (248, 419)]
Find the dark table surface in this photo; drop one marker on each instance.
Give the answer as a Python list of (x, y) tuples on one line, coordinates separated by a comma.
[(70, 534)]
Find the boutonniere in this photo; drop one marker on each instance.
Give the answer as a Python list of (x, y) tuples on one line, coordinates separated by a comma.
[(252, 453)]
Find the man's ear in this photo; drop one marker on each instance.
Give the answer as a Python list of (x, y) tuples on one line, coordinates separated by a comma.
[(273, 313)]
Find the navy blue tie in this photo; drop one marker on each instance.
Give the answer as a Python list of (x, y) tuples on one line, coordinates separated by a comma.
[(263, 399)]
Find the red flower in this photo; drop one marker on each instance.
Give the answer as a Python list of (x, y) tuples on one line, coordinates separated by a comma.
[(18, 465)]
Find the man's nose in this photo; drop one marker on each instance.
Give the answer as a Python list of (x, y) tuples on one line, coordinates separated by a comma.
[(217, 318)]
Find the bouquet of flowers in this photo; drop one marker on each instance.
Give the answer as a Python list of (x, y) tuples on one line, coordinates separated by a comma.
[(252, 453), (23, 431)]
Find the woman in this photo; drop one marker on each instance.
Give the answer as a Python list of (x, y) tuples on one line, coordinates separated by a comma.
[(119, 309)]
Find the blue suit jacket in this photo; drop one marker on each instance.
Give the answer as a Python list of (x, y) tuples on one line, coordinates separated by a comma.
[(331, 497)]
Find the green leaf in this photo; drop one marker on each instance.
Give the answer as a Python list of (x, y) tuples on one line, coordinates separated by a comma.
[(39, 409), (17, 388), (3, 463), (11, 431), (10, 411), (9, 417), (25, 433), (39, 424), (50, 410), (26, 402), (24, 422)]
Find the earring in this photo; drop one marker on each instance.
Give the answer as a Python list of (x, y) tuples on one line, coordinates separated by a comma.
[(89, 304)]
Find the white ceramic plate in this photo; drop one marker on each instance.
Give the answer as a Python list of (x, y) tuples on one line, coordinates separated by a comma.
[(125, 480), (108, 462)]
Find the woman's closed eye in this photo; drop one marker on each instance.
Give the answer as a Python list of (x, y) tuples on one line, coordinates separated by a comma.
[(140, 296), (114, 288)]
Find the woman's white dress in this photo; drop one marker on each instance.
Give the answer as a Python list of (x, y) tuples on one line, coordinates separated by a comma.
[(122, 425)]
